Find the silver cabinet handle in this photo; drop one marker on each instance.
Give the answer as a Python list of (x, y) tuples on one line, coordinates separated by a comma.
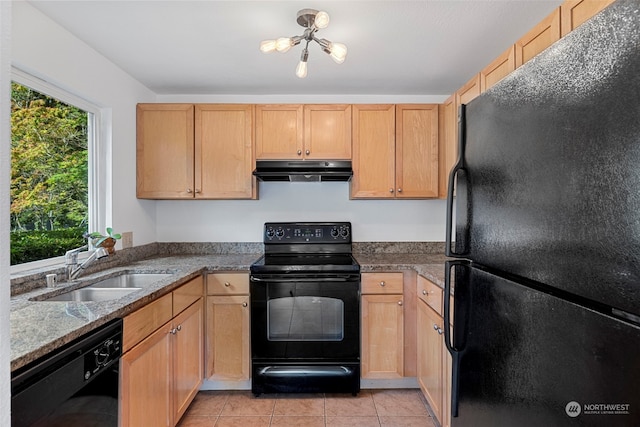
[(244, 304), (299, 152), (198, 191), (179, 328), (307, 152), (173, 331), (399, 190), (189, 190), (399, 302), (391, 190), (382, 283), (227, 284), (424, 292)]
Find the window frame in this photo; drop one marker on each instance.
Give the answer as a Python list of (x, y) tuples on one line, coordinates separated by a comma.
[(98, 121)]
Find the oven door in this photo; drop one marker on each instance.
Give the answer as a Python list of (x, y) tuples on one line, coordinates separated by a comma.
[(305, 319)]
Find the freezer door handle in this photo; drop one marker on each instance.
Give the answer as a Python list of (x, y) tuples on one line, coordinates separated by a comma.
[(448, 339), (458, 169)]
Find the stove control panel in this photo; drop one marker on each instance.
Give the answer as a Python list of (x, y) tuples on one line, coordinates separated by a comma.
[(307, 232)]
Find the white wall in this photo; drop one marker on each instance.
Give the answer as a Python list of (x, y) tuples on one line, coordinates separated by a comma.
[(5, 138), (242, 220), (372, 220), (45, 50)]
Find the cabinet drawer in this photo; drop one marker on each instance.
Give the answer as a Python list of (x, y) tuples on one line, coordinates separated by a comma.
[(430, 293), (228, 284), (382, 283), (187, 294), (140, 324)]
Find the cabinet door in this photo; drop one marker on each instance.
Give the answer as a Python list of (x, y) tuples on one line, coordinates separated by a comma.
[(382, 353), (430, 357), (538, 38), (416, 151), (228, 337), (279, 131), (224, 151), (374, 142), (575, 12), (165, 150), (447, 142), (327, 132), (188, 357), (498, 69), (146, 382)]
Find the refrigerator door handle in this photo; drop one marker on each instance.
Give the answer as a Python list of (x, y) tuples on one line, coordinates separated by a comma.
[(455, 352), (453, 177)]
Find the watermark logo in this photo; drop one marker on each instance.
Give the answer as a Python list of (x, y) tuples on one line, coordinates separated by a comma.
[(573, 409)]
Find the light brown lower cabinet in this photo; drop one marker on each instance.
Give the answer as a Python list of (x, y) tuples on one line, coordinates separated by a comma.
[(382, 309), (430, 356), (160, 373), (434, 360), (228, 326)]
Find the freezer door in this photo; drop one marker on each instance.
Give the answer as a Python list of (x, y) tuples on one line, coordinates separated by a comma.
[(550, 184), (523, 357)]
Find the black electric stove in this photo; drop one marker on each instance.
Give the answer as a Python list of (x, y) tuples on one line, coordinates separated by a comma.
[(305, 310)]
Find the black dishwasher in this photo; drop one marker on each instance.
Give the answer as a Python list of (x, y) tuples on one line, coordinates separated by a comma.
[(77, 385)]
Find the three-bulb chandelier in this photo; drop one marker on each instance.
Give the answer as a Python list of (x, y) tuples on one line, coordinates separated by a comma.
[(313, 21)]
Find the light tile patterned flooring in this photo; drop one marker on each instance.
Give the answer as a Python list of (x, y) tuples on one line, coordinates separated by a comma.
[(393, 407)]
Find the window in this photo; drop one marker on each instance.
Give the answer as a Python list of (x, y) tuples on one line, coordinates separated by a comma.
[(52, 146)]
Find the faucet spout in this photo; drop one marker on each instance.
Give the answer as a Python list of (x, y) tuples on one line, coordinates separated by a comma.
[(75, 270)]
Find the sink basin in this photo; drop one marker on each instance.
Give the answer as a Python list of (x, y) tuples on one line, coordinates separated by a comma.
[(129, 280), (108, 289), (92, 294)]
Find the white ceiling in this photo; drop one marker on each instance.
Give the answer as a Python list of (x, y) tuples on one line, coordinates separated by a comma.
[(428, 47)]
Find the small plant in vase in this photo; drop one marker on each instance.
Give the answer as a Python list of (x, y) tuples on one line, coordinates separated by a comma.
[(107, 241)]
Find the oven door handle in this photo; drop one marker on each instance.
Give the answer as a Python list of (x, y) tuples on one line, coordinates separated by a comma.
[(305, 279)]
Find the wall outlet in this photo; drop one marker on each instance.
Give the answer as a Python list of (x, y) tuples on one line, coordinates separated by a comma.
[(127, 239)]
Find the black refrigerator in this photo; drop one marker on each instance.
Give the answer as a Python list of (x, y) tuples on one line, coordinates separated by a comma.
[(545, 222)]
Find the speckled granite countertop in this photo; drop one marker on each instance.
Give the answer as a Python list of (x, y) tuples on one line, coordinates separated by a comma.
[(39, 327)]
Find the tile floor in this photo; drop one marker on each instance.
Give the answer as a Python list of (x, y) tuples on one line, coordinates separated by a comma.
[(395, 407)]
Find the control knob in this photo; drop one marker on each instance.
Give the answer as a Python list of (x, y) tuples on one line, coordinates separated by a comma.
[(344, 232), (334, 232), (270, 233), (279, 232)]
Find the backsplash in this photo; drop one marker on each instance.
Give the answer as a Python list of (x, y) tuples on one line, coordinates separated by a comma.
[(32, 279)]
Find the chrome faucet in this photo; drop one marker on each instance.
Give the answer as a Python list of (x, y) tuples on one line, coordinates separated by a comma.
[(71, 261)]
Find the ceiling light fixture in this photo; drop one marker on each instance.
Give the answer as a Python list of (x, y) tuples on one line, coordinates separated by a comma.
[(313, 21)]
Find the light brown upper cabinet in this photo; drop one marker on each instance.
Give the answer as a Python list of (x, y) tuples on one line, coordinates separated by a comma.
[(224, 152), (538, 38), (448, 142), (395, 151), (468, 91), (575, 12), (416, 151), (498, 69), (203, 151), (374, 145), (292, 131), (165, 150)]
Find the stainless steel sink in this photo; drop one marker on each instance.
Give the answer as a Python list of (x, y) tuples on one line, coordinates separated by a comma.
[(108, 289), (129, 280), (92, 294)]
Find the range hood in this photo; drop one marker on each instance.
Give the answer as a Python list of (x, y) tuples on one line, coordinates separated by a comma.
[(303, 170)]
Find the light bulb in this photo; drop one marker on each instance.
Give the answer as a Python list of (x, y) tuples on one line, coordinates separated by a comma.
[(267, 46), (321, 20), (283, 44), (301, 69), (338, 52)]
